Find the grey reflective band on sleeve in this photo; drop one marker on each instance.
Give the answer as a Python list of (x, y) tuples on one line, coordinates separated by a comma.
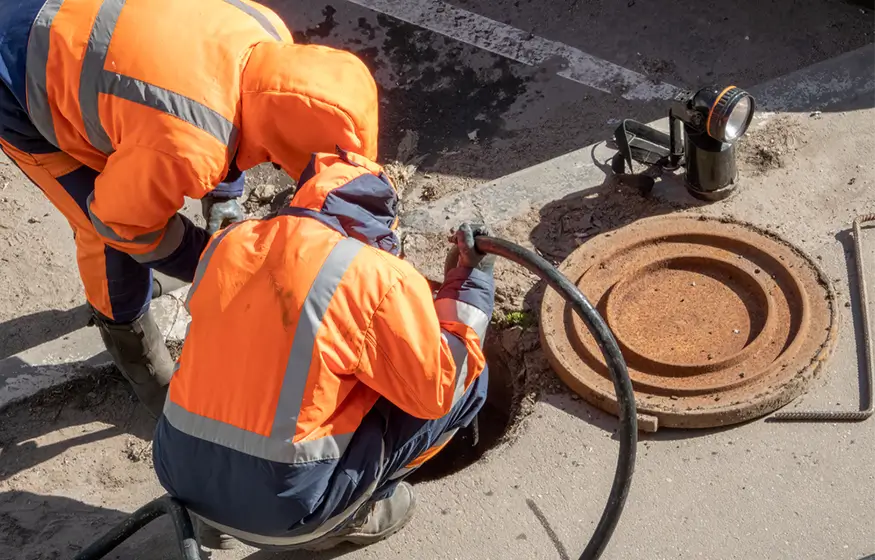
[(174, 232), (461, 312), (95, 80), (37, 59), (107, 232), (258, 16), (460, 357)]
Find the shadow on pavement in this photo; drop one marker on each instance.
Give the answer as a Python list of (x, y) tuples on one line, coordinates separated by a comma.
[(104, 396), (22, 333), (34, 526), (337, 552)]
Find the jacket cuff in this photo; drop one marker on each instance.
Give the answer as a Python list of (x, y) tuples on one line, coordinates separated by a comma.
[(232, 186), (471, 286)]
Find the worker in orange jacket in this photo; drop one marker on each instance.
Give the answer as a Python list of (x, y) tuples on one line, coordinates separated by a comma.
[(118, 110), (346, 372)]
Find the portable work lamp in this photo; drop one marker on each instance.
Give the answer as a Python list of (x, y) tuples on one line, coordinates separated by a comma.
[(703, 129)]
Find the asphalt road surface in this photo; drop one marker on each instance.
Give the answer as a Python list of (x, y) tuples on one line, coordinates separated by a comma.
[(478, 89)]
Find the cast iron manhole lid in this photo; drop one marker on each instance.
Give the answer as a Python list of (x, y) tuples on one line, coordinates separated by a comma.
[(719, 322)]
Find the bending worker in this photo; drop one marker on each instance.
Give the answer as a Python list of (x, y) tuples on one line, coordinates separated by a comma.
[(118, 110), (319, 369)]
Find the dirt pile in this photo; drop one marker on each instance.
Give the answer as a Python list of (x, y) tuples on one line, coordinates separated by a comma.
[(771, 145)]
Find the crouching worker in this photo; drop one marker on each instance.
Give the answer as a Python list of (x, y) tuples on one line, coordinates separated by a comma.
[(319, 369)]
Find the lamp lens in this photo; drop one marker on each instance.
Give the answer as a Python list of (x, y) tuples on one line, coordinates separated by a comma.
[(737, 122)]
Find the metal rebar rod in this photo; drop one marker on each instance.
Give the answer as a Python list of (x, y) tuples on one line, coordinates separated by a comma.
[(869, 380)]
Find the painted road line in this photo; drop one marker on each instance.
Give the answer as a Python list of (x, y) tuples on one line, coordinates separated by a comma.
[(841, 83), (522, 46), (836, 84)]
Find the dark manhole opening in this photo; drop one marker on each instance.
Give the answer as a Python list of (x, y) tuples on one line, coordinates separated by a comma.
[(496, 420)]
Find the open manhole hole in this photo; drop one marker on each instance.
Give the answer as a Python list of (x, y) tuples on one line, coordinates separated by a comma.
[(496, 421), (719, 322)]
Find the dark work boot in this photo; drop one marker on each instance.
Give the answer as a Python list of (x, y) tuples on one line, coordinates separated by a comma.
[(138, 349), (377, 522)]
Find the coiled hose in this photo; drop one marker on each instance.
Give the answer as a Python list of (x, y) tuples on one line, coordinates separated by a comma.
[(628, 431)]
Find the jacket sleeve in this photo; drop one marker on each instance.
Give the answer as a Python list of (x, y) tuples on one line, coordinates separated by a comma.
[(423, 354), (134, 209)]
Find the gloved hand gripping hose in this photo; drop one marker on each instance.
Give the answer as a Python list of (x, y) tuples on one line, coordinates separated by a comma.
[(628, 432)]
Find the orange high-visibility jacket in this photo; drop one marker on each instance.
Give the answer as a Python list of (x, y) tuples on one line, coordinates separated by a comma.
[(162, 96), (300, 323)]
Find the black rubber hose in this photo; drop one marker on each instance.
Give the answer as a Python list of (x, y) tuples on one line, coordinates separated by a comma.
[(628, 432), (185, 537)]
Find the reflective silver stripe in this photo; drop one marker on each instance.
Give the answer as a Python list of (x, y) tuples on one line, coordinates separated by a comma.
[(106, 231), (447, 436), (37, 59), (314, 307), (169, 102), (467, 314), (174, 232), (94, 80), (258, 16), (92, 68), (316, 533), (460, 356), (205, 262), (461, 312), (278, 446), (250, 443)]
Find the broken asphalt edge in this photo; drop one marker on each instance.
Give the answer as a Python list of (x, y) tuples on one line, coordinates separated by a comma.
[(830, 84)]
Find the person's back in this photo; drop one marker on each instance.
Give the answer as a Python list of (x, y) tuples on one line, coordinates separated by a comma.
[(151, 94), (317, 368), (160, 75), (117, 110)]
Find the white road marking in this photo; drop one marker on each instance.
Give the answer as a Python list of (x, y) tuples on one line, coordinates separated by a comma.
[(521, 46)]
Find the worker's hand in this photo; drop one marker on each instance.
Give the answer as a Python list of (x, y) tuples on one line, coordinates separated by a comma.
[(468, 255), (221, 212)]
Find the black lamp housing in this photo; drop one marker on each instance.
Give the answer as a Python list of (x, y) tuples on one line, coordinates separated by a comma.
[(703, 128), (711, 119)]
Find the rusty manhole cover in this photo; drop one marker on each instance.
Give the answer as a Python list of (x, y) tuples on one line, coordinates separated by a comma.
[(719, 322)]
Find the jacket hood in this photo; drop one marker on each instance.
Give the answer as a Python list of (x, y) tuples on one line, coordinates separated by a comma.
[(298, 100)]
